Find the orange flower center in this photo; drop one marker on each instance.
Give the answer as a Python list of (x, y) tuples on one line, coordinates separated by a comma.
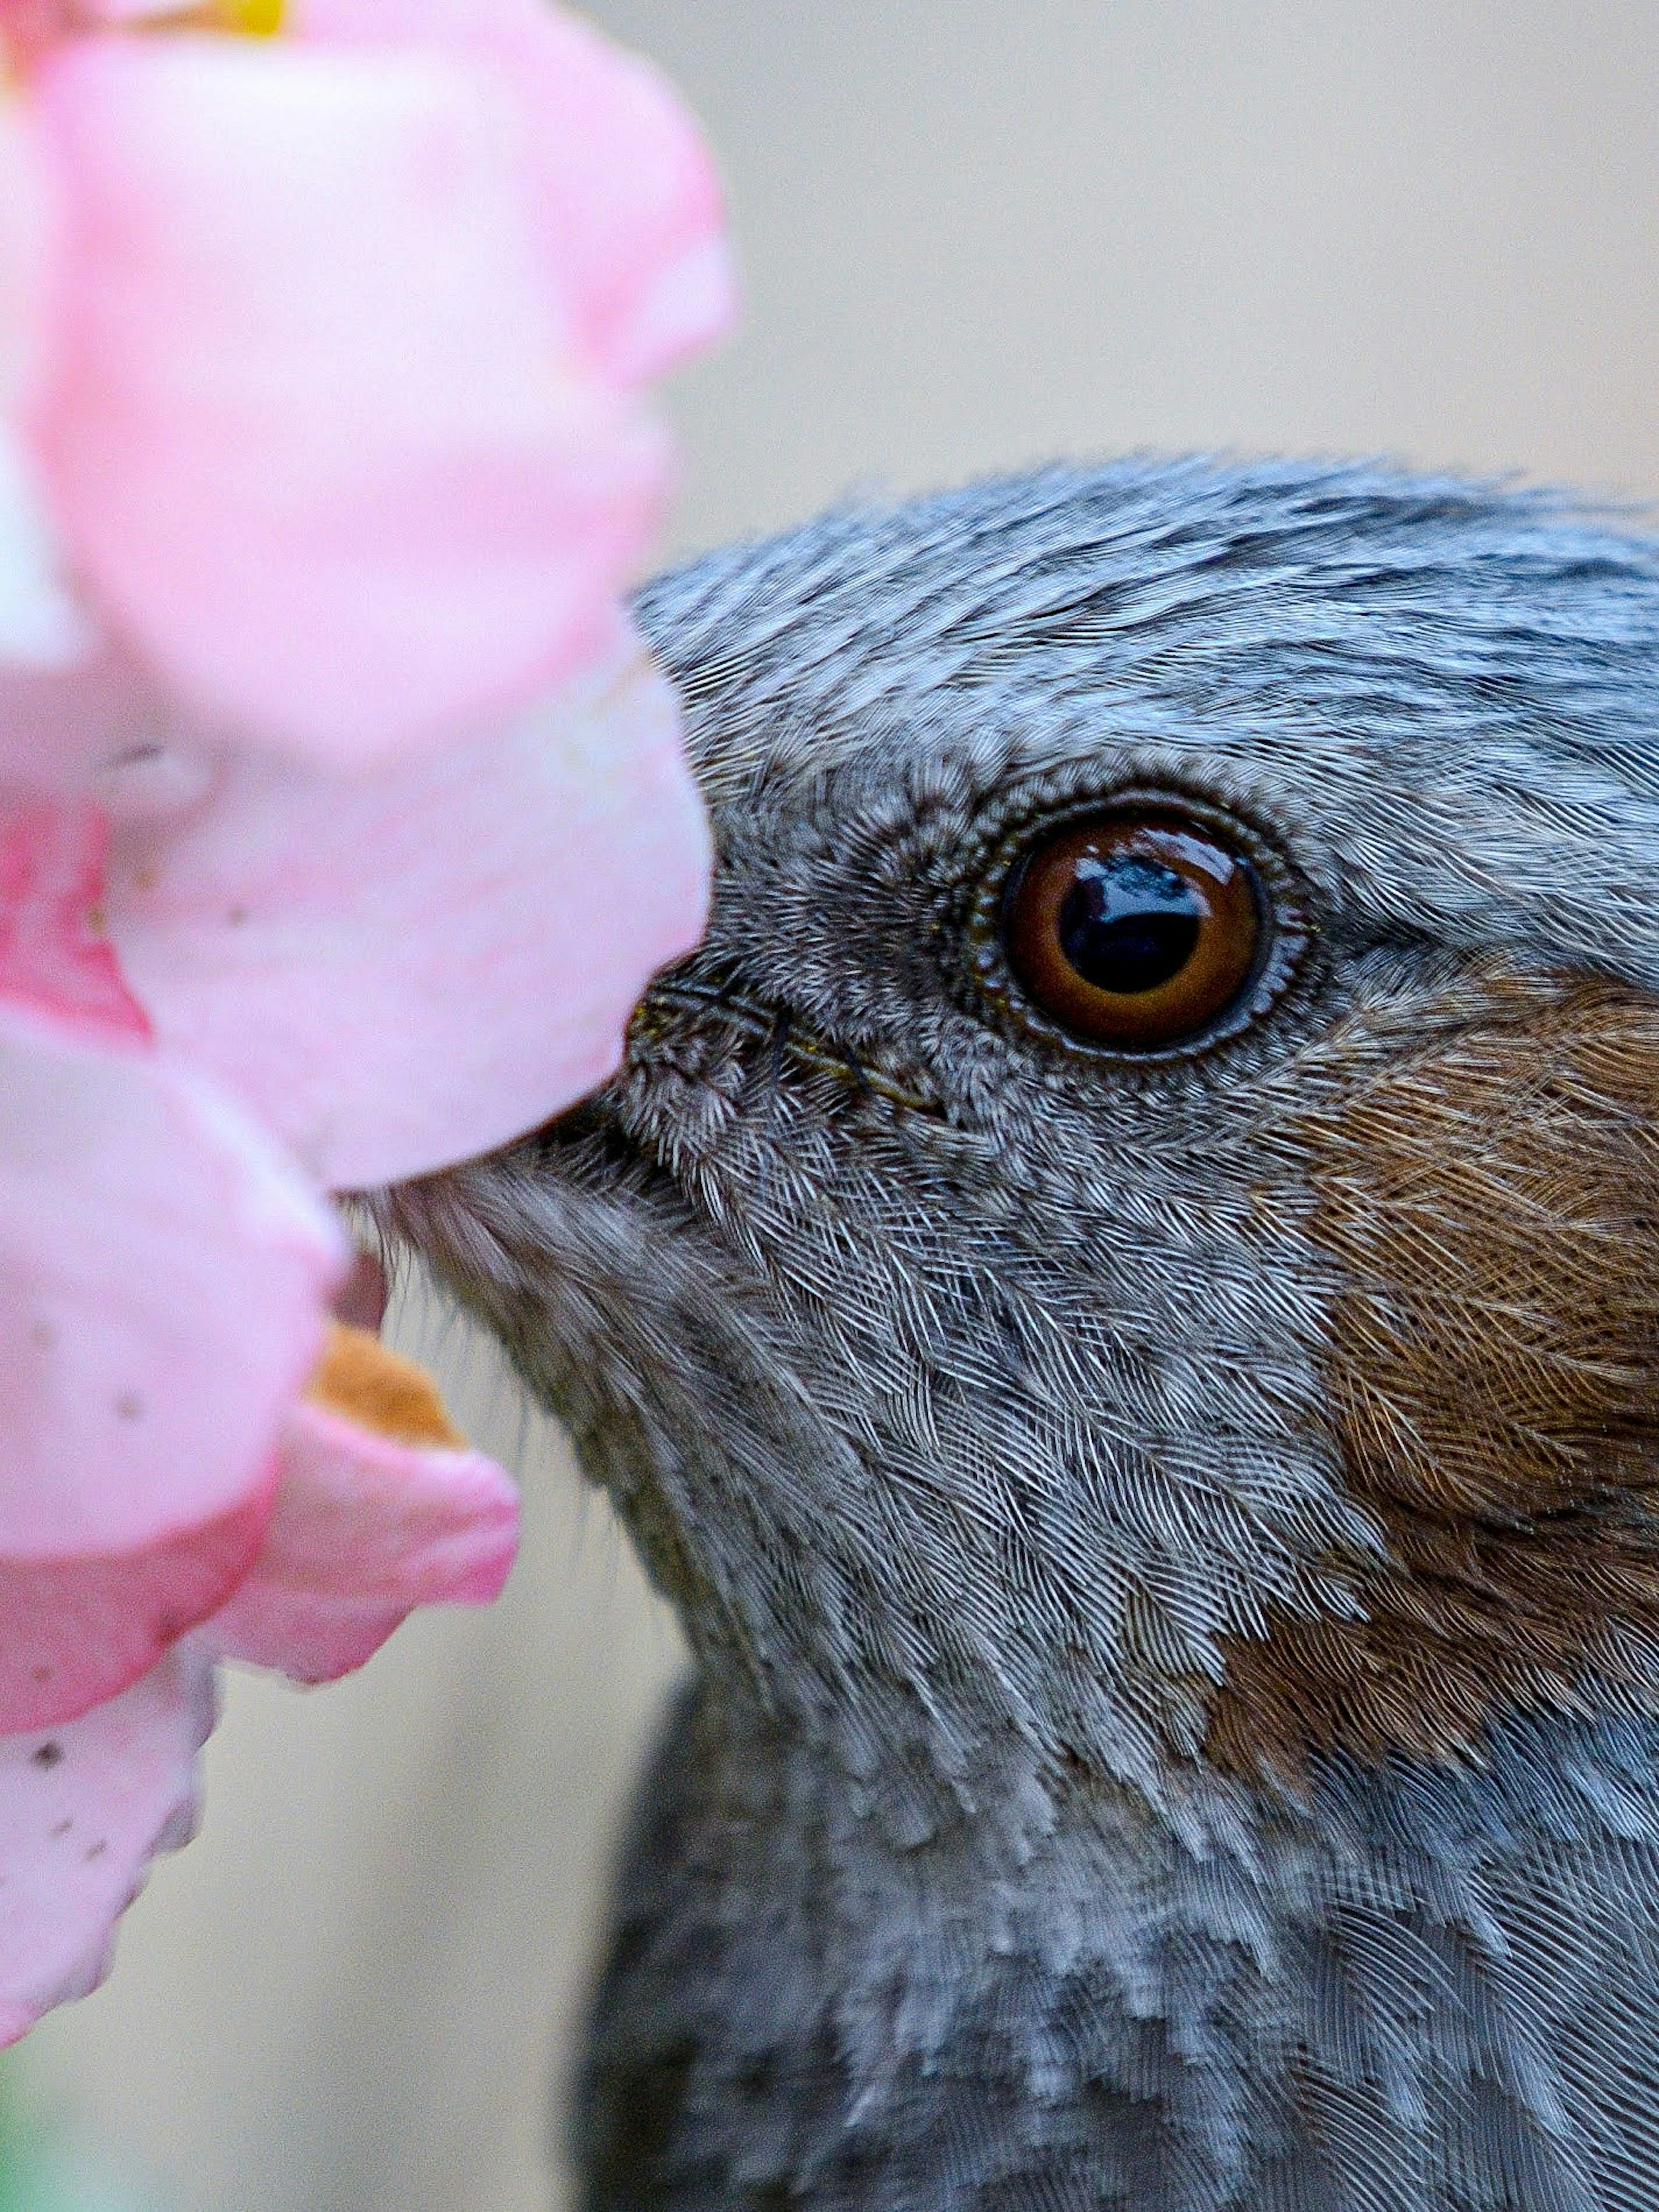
[(359, 1379)]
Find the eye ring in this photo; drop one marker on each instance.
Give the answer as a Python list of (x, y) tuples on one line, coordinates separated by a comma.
[(1216, 926)]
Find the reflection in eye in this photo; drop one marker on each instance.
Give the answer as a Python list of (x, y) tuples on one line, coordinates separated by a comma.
[(1137, 929), (1128, 925)]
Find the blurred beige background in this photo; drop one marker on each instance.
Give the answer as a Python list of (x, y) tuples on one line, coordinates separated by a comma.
[(976, 234)]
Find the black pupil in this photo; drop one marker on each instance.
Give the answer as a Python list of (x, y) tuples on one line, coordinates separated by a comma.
[(1128, 925)]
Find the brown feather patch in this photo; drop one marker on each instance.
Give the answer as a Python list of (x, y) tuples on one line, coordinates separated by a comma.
[(1491, 1198)]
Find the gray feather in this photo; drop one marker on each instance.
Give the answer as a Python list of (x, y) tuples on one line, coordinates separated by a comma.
[(970, 1395)]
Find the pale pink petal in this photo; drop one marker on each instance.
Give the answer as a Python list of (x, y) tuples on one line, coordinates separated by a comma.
[(82, 1810), (43, 628), (313, 425), (64, 729), (628, 205), (27, 241), (365, 1530), (402, 970), (161, 1273)]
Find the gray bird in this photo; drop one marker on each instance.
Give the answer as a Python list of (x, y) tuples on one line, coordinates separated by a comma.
[(1116, 1293)]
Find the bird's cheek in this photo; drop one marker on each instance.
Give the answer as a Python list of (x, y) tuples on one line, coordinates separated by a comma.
[(1491, 1200)]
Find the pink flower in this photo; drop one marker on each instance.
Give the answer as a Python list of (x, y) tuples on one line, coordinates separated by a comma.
[(368, 1524), (381, 1507), (400, 967), (164, 1270), (337, 341), (82, 1810), (342, 818)]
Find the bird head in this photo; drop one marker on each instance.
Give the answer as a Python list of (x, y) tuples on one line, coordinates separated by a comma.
[(1133, 1235)]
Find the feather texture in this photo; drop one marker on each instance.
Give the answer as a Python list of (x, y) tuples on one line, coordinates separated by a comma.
[(1168, 1543)]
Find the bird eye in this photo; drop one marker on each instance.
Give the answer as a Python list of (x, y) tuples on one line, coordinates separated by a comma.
[(1137, 930)]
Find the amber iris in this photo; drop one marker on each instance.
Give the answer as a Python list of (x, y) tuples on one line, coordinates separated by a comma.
[(1137, 930)]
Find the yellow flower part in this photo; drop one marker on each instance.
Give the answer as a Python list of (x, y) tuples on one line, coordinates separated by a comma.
[(251, 19), (358, 1377), (257, 19)]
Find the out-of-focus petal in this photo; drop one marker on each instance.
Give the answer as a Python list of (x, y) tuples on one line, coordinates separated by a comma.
[(629, 208), (399, 971), (162, 1274), (83, 1808), (63, 728), (380, 1508), (41, 624), (27, 239), (312, 422), (29, 28), (52, 955), (363, 1299)]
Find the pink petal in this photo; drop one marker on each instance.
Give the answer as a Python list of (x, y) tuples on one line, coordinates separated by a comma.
[(27, 240), (365, 1530), (83, 1811), (314, 422), (28, 28), (402, 970), (66, 722), (51, 956), (627, 206), (66, 732), (161, 1273), (43, 629)]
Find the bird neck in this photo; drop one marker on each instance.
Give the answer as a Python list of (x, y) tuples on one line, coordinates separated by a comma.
[(1388, 1975)]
